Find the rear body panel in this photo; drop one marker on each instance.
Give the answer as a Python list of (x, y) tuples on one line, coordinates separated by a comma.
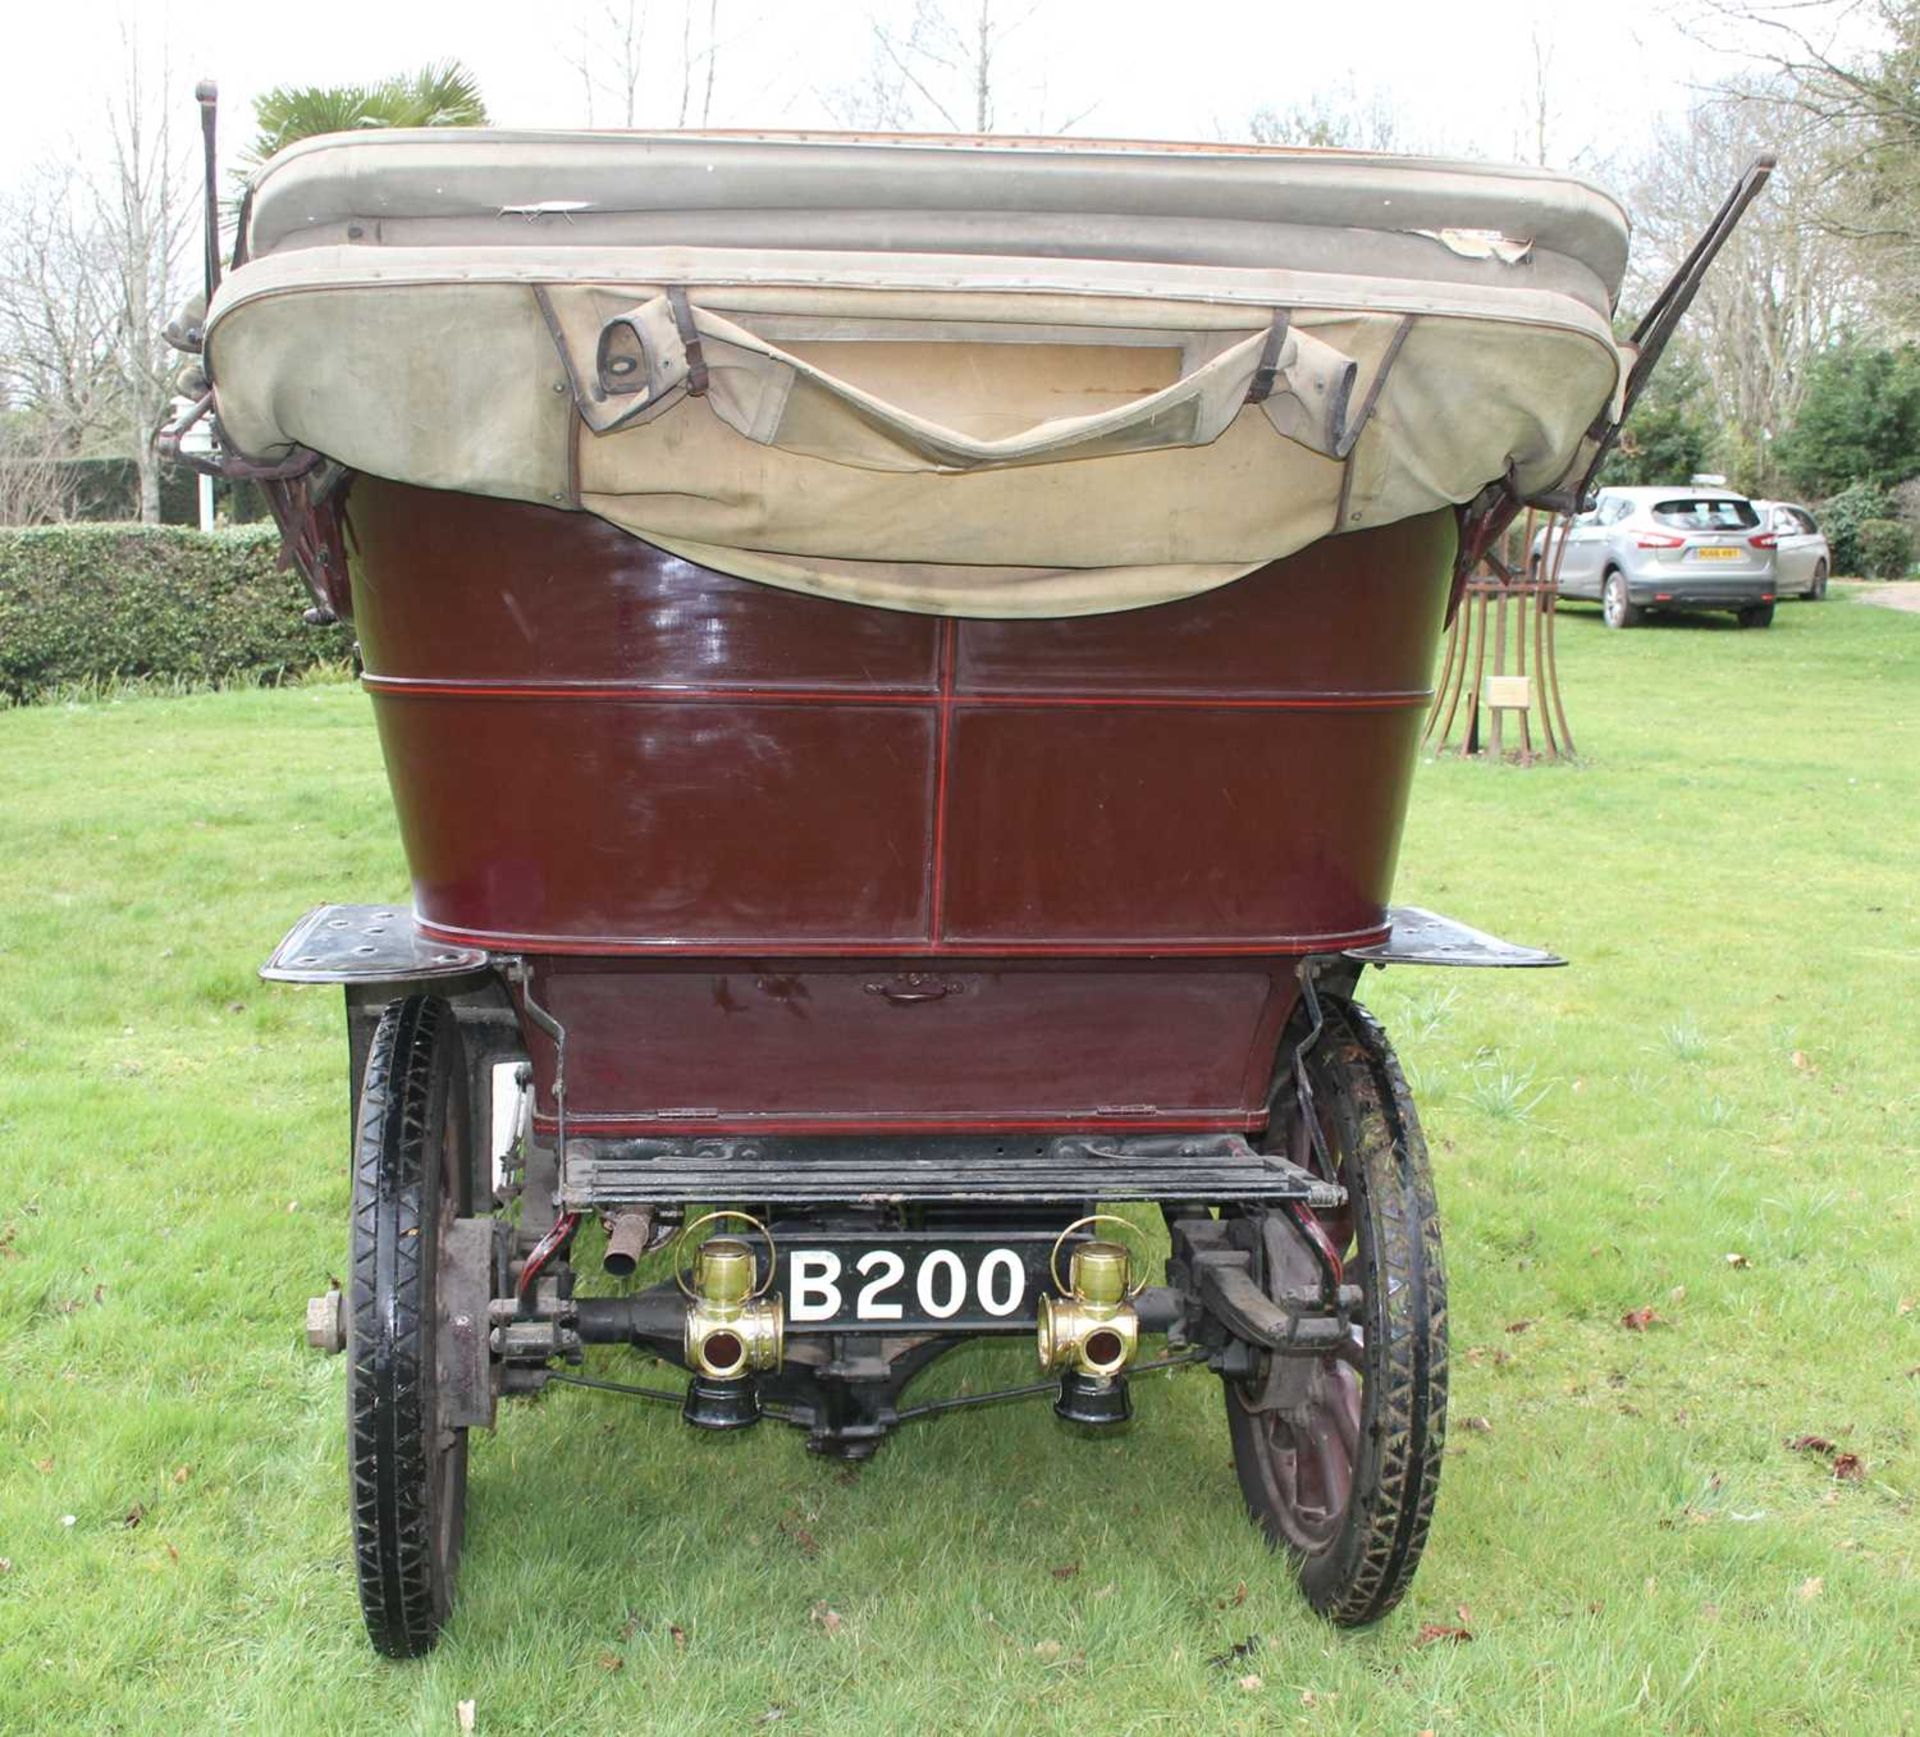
[(800, 1047), (780, 861)]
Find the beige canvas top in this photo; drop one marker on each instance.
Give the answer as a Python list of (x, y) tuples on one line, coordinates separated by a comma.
[(984, 378)]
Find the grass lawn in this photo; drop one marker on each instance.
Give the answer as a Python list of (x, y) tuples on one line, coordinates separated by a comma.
[(1712, 1115)]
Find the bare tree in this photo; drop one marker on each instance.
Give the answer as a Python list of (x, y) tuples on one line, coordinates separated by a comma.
[(90, 267), (142, 221), (1538, 96), (1850, 71), (56, 330), (943, 69), (713, 61), (1338, 118), (1783, 287), (612, 40), (623, 79), (33, 488)]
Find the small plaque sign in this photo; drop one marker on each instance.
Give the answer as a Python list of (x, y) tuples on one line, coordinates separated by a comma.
[(1508, 693)]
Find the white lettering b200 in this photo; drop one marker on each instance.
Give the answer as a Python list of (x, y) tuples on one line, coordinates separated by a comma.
[(940, 1285), (814, 1275)]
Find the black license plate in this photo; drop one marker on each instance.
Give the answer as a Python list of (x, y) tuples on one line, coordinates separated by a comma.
[(911, 1281)]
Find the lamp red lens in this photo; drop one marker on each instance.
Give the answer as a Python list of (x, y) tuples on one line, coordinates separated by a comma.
[(1654, 540), (1766, 540)]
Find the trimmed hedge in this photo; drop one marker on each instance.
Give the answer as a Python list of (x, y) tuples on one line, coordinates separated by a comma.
[(83, 603)]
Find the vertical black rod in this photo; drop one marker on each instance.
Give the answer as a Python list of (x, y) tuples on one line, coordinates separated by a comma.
[(207, 94)]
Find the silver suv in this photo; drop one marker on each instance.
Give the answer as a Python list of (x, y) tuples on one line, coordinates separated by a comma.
[(1801, 553), (1668, 548)]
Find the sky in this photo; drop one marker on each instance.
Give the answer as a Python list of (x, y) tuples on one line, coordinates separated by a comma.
[(1456, 74)]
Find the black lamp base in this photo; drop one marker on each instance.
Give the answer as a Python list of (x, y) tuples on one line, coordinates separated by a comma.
[(1090, 1399), (721, 1404)]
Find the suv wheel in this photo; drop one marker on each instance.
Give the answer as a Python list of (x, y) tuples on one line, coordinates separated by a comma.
[(1817, 592), (1617, 609)]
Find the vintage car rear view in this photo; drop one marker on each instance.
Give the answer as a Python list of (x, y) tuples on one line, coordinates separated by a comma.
[(899, 663)]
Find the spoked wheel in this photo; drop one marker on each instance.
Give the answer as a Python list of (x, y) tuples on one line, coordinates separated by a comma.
[(1340, 1460), (411, 1178), (1817, 591)]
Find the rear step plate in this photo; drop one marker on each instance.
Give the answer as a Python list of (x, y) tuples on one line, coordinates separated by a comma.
[(874, 1172)]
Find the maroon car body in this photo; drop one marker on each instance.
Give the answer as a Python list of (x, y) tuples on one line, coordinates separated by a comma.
[(782, 863)]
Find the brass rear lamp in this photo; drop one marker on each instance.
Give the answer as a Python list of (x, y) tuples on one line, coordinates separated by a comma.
[(1093, 1329)]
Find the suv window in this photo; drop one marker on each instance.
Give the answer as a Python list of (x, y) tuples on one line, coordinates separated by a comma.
[(1613, 510), (1706, 515)]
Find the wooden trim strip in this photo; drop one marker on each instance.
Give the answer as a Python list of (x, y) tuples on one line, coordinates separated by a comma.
[(789, 947), (619, 1123)]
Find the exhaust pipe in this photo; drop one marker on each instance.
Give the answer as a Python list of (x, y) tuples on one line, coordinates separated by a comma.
[(629, 1232)]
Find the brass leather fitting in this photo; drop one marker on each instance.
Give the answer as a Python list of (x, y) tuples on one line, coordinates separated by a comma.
[(1094, 1329), (730, 1332)]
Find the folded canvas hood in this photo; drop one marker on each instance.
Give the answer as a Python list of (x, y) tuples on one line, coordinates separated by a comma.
[(993, 378)]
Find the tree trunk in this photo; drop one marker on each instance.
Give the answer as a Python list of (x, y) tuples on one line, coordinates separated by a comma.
[(149, 468), (983, 71)]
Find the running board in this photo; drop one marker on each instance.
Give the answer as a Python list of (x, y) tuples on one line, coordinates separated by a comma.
[(365, 944), (1421, 937), (956, 1170)]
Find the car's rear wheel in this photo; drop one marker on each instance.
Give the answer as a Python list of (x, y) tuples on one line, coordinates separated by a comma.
[(1617, 608), (1817, 591), (1341, 1472), (1757, 615), (412, 1171)]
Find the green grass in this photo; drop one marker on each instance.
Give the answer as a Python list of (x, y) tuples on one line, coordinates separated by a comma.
[(1728, 1070)]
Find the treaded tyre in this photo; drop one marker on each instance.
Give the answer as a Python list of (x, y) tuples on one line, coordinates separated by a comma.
[(1345, 1481), (1757, 615), (1617, 608), (410, 1180)]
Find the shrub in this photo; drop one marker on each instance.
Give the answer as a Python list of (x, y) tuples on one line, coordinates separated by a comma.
[(93, 603), (1842, 518), (1906, 504), (1886, 549), (1666, 441), (1860, 419)]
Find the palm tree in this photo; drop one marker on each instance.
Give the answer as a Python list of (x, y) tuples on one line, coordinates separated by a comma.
[(443, 95)]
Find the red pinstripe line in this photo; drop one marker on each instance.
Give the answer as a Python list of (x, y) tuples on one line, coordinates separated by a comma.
[(1379, 702), (511, 690), (946, 699), (938, 868)]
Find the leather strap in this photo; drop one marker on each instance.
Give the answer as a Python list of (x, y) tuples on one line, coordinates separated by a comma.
[(1260, 389), (690, 336)]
